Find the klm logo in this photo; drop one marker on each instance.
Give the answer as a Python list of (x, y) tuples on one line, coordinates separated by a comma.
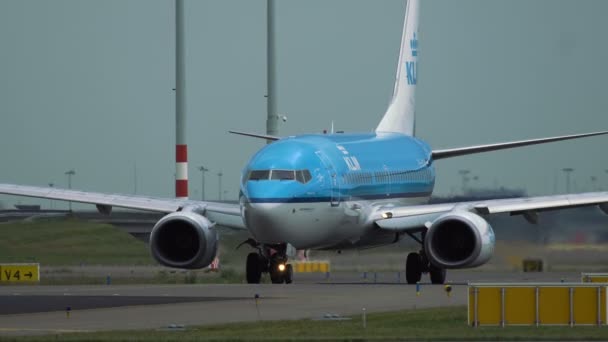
[(410, 69), (414, 45)]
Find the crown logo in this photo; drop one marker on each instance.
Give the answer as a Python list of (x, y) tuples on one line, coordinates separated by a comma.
[(414, 45)]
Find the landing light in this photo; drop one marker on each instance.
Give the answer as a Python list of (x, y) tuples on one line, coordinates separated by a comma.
[(281, 267), (387, 215)]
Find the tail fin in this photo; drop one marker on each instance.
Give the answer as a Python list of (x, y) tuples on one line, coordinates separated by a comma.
[(400, 115)]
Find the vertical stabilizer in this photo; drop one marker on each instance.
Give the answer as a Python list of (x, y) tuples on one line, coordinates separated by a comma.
[(400, 115)]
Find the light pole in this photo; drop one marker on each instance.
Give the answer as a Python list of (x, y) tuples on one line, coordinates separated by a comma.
[(70, 173), (51, 201), (219, 190), (203, 169), (465, 180), (567, 171)]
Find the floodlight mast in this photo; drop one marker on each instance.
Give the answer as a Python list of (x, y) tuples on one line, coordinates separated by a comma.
[(181, 148), (70, 173), (203, 169), (272, 121)]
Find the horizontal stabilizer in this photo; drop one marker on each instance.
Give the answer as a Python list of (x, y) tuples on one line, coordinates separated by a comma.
[(255, 135), (454, 152)]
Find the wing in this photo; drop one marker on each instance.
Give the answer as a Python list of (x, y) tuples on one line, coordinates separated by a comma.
[(255, 135), (224, 214), (454, 152), (415, 218)]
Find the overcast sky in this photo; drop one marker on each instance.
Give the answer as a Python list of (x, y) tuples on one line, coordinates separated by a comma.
[(87, 84)]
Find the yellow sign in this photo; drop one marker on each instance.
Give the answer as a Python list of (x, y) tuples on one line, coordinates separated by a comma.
[(594, 277), (312, 266), (19, 273), (537, 304)]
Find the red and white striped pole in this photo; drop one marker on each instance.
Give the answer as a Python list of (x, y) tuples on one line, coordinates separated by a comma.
[(181, 149), (181, 171)]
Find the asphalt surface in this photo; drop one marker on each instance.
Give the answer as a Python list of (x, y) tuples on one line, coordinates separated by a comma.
[(19, 304), (26, 310)]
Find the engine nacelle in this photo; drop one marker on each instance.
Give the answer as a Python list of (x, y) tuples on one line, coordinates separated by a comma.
[(459, 240), (184, 240)]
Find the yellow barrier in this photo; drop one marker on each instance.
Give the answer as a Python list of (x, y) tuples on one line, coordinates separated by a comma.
[(532, 265), (537, 304), (311, 266), (19, 273), (594, 277)]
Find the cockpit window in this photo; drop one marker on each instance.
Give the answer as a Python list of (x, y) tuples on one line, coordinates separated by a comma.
[(302, 176), (282, 175), (257, 175)]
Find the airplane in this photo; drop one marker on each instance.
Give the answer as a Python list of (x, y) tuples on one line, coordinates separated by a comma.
[(338, 192)]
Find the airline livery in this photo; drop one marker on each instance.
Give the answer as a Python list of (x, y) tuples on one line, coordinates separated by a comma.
[(338, 191)]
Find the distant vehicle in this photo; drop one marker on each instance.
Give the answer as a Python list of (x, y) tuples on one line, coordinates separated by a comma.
[(338, 191)]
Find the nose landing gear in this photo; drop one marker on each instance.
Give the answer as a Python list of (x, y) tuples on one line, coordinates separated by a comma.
[(271, 259)]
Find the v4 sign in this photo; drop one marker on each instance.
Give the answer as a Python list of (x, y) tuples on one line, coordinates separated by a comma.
[(19, 273)]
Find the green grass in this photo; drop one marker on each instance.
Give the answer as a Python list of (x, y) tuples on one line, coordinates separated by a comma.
[(225, 276), (424, 324), (70, 242)]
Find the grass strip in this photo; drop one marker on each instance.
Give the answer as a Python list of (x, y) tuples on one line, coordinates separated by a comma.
[(438, 324)]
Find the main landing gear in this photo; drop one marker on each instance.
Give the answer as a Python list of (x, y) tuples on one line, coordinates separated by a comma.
[(418, 263), (271, 259)]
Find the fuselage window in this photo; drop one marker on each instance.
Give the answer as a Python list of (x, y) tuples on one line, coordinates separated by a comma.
[(257, 175), (282, 175)]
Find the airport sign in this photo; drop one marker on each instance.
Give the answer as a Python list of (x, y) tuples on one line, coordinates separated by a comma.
[(19, 273)]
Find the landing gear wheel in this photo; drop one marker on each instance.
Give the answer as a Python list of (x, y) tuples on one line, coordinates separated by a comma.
[(288, 274), (437, 274), (254, 268), (276, 276), (413, 268)]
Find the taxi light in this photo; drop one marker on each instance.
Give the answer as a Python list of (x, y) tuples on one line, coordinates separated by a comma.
[(387, 215), (281, 267)]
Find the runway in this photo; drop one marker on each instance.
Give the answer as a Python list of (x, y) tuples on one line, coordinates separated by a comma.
[(42, 309)]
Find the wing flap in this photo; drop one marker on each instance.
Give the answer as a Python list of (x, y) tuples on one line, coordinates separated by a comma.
[(515, 206)]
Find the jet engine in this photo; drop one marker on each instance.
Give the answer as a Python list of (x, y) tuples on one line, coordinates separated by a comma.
[(459, 240), (184, 240)]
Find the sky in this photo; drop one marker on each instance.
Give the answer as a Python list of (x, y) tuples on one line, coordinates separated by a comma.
[(87, 84)]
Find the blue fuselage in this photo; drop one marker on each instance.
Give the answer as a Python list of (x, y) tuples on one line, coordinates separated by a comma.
[(313, 182)]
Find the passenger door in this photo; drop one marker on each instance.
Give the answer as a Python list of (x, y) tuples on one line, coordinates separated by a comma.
[(335, 185)]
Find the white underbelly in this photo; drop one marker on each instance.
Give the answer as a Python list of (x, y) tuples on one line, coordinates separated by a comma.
[(315, 225)]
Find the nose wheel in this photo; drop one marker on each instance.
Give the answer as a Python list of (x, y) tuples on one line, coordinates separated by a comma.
[(281, 273), (270, 259)]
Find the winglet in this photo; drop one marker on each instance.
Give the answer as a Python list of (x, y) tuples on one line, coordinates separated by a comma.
[(255, 135)]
